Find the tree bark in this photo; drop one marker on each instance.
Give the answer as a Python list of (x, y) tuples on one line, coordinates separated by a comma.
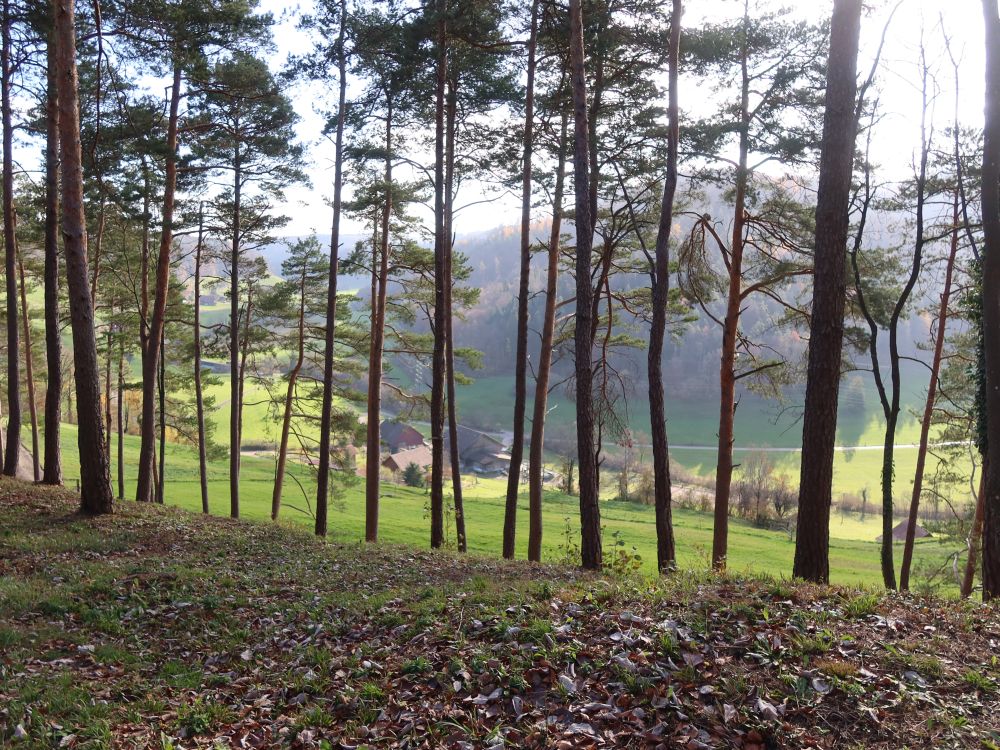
[(326, 413), (449, 353), (991, 301), (121, 422), (440, 253), (730, 331), (107, 386), (925, 423), (30, 375), (590, 512), (975, 536), (826, 327), (52, 464), (536, 449), (244, 358), (199, 396), (161, 384), (95, 481), (98, 242), (660, 282), (12, 445), (235, 380), (151, 344), (373, 451), (521, 361), (286, 419)]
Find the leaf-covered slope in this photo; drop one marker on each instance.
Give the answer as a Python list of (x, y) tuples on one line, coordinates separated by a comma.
[(158, 628)]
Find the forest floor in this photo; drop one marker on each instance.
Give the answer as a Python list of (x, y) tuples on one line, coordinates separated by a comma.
[(155, 627)]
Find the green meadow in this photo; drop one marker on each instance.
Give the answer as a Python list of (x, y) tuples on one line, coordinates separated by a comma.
[(488, 404), (628, 527)]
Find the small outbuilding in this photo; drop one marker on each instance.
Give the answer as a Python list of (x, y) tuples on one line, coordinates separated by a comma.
[(899, 532)]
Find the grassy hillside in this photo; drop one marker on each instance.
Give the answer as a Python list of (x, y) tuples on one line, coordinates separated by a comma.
[(156, 628), (488, 403), (854, 554)]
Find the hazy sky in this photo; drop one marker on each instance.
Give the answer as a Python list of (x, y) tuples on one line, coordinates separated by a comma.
[(894, 141)]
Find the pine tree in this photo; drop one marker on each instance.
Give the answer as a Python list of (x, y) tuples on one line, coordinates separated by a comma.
[(323, 18), (775, 66), (294, 303), (387, 54), (12, 444), (52, 464), (175, 36), (95, 481), (659, 292), (248, 136), (826, 328), (991, 302), (590, 515), (521, 361)]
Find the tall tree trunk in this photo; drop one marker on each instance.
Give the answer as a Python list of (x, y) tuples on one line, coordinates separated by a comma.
[(52, 465), (521, 362), (975, 536), (244, 358), (730, 329), (440, 253), (12, 447), (826, 326), (30, 374), (156, 476), (98, 242), (107, 386), (374, 433), (590, 512), (199, 396), (121, 422), (161, 384), (991, 301), (235, 381), (151, 344), (925, 424), (144, 258), (95, 480), (286, 419), (99, 239), (887, 475), (449, 353), (326, 412), (593, 143), (665, 552), (536, 449)]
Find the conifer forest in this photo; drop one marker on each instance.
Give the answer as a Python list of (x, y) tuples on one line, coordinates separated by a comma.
[(483, 374)]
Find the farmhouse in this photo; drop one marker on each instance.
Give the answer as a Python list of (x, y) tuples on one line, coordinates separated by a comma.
[(399, 436), (480, 452), (397, 462)]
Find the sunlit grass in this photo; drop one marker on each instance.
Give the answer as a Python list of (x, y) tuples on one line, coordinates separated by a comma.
[(854, 554)]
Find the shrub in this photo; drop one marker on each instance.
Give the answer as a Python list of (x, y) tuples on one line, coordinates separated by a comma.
[(413, 476)]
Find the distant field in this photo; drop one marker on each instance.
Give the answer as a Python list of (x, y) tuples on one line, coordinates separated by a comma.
[(854, 470), (489, 402), (854, 555)]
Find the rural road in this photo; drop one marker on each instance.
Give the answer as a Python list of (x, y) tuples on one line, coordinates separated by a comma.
[(768, 449)]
